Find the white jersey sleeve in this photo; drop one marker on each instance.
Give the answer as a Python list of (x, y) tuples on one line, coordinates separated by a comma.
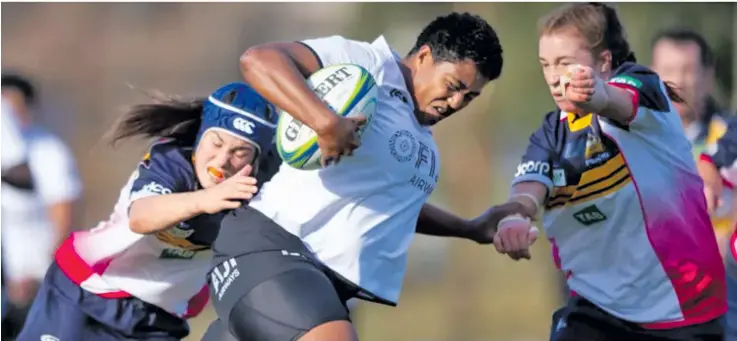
[(339, 50), (54, 170), (13, 146)]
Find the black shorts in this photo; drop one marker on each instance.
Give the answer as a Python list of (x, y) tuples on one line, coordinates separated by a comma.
[(581, 320), (265, 284)]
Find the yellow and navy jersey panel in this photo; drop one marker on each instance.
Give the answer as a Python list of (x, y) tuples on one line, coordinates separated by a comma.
[(723, 154), (706, 141)]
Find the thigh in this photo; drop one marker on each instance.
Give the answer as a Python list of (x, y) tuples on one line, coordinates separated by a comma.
[(274, 296)]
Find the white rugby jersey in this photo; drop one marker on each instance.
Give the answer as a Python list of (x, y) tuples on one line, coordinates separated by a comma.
[(626, 211), (359, 216), (168, 268)]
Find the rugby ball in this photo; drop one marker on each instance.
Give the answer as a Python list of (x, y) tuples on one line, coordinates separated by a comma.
[(348, 89)]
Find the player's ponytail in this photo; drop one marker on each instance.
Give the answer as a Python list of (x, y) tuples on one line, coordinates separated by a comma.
[(168, 116)]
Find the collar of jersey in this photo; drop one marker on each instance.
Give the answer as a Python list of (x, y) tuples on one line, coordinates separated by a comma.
[(393, 77), (576, 123)]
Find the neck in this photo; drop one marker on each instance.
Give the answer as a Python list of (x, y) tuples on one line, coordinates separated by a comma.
[(407, 73)]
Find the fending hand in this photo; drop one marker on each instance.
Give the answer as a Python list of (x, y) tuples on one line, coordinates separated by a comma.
[(483, 228)]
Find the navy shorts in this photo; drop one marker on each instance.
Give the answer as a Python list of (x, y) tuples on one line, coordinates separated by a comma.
[(581, 320), (266, 286), (64, 311)]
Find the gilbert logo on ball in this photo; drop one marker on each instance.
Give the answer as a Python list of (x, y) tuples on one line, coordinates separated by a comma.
[(348, 90)]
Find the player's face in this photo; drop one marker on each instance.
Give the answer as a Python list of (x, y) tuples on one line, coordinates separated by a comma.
[(560, 49), (219, 155), (442, 88), (680, 64)]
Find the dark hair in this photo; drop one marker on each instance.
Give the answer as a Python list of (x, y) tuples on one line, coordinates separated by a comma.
[(168, 116), (20, 83), (463, 36), (683, 35), (599, 25)]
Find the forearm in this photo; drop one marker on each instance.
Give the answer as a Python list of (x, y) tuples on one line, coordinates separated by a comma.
[(156, 213), (530, 194), (275, 75), (434, 221), (619, 105)]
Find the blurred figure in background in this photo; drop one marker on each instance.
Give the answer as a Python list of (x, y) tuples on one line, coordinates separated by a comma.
[(711, 167), (684, 58), (35, 221), (15, 170)]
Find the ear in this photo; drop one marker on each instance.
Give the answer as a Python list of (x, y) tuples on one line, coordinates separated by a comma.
[(604, 62), (424, 56)]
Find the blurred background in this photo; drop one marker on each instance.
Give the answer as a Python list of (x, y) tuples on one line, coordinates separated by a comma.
[(81, 56)]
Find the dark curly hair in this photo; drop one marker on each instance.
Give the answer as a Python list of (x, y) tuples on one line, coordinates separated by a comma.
[(463, 36)]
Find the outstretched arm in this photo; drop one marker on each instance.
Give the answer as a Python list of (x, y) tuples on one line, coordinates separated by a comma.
[(435, 221), (634, 97), (592, 94)]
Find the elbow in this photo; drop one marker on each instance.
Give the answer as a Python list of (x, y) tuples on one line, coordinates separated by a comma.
[(137, 221), (137, 225), (254, 60)]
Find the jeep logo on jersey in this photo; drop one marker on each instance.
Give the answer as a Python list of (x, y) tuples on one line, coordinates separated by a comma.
[(244, 125), (626, 80), (292, 130), (589, 216), (537, 167), (329, 83)]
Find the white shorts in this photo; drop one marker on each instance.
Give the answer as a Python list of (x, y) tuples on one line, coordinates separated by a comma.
[(27, 251)]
